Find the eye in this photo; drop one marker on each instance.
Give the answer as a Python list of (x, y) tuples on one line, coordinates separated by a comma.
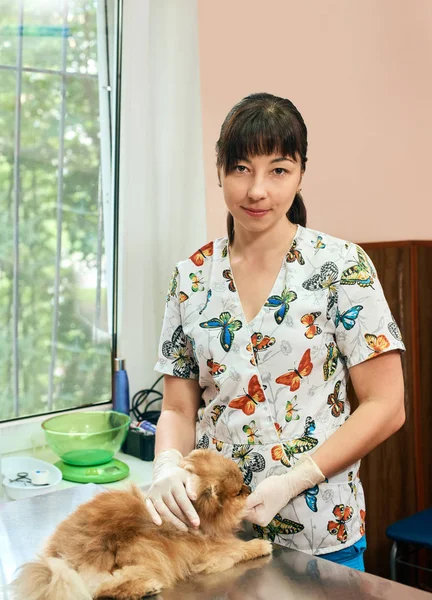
[(279, 171), (240, 169)]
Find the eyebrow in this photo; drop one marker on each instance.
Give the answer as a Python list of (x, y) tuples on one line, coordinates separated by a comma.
[(275, 160), (282, 158)]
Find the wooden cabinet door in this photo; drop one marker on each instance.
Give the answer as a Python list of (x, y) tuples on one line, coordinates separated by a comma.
[(387, 473), (424, 332)]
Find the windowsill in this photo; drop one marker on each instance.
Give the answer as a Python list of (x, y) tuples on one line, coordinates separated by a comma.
[(140, 471)]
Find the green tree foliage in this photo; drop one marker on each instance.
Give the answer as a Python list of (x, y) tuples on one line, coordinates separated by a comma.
[(82, 365)]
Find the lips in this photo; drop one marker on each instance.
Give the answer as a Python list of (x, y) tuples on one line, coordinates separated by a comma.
[(253, 212)]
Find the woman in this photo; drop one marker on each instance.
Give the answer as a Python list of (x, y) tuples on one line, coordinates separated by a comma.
[(265, 327)]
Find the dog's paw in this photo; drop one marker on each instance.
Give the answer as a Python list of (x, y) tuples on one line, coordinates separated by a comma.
[(260, 547), (152, 588)]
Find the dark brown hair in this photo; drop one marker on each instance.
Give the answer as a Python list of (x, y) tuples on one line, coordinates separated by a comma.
[(263, 124)]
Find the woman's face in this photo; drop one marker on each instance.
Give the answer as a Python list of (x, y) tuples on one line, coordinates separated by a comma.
[(260, 190)]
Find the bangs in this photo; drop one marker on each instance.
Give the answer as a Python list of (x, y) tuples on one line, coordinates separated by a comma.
[(264, 133)]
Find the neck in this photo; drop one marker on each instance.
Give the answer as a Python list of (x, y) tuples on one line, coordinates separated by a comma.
[(276, 240)]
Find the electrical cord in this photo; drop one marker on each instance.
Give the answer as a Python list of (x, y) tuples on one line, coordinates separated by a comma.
[(141, 403)]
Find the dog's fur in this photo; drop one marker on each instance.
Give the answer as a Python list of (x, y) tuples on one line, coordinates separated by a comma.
[(110, 548)]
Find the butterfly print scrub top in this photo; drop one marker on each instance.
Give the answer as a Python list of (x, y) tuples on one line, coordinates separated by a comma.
[(276, 387)]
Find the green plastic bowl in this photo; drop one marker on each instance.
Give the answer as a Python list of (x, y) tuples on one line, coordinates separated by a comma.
[(87, 438)]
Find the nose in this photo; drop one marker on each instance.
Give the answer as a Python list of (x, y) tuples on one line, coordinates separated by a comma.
[(257, 190)]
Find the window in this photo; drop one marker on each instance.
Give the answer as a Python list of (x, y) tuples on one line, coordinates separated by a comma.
[(55, 216)]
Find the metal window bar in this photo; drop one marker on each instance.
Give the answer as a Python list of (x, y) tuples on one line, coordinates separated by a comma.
[(104, 16), (99, 261), (116, 174), (48, 71), (16, 203), (59, 229)]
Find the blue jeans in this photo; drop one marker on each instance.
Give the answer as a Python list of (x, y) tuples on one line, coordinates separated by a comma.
[(349, 557)]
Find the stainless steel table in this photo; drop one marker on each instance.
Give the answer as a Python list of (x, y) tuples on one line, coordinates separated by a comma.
[(25, 524)]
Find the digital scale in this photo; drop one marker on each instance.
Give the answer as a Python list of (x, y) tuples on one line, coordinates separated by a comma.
[(97, 466)]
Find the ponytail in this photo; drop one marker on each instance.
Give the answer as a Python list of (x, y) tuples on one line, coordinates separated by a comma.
[(297, 214)]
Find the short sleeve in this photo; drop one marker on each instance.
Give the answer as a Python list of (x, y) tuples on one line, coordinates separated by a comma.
[(175, 354), (364, 324)]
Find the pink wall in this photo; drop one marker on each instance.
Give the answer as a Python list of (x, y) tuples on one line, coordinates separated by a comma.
[(361, 74)]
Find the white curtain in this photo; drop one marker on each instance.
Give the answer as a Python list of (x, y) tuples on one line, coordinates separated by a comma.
[(162, 198)]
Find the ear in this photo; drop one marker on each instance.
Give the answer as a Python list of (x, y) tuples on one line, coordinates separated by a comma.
[(188, 466), (209, 493), (195, 460), (208, 503)]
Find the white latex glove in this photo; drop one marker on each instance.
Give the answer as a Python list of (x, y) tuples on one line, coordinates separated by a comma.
[(173, 488), (272, 494)]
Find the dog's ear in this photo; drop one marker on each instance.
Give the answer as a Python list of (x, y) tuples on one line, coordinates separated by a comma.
[(208, 502), (209, 493), (196, 461), (187, 465)]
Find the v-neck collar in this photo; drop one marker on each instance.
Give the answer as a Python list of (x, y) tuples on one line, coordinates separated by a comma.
[(227, 262)]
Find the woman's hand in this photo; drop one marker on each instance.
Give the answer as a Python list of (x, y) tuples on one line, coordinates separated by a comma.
[(272, 494), (269, 497), (173, 488)]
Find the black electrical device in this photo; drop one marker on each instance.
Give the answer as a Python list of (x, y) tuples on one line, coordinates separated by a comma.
[(141, 443)]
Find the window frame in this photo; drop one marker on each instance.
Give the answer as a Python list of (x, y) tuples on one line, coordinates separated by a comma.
[(21, 432)]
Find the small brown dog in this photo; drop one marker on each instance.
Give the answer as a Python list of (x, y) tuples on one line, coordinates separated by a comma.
[(110, 548)]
